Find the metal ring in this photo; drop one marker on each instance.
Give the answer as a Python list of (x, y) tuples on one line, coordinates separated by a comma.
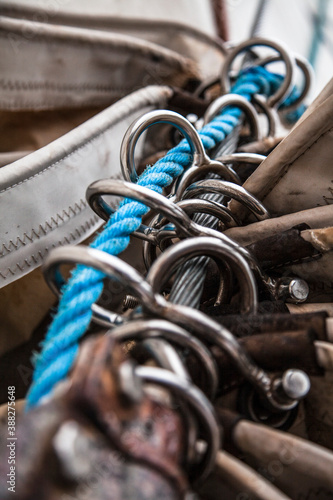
[(152, 235), (303, 64), (201, 206), (271, 114), (115, 268), (166, 356), (156, 201), (190, 206), (205, 85), (193, 206), (184, 225), (194, 229), (238, 101), (286, 86), (135, 130), (179, 253), (200, 404), (193, 173), (227, 189), (105, 318), (157, 328), (150, 247), (109, 265), (233, 158), (156, 234)]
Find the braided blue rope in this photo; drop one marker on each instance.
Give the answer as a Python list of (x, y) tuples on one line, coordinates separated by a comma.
[(60, 347)]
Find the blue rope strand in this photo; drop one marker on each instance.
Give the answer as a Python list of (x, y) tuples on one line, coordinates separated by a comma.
[(60, 347)]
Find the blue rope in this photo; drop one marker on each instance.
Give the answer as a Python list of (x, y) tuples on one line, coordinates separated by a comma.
[(60, 347)]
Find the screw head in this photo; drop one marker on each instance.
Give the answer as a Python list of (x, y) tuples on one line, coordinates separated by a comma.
[(298, 290), (296, 384)]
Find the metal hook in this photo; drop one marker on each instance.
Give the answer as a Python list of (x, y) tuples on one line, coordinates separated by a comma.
[(247, 158), (173, 376), (192, 206), (184, 225), (153, 235), (155, 117), (159, 230), (286, 86), (200, 157), (166, 356), (56, 282)]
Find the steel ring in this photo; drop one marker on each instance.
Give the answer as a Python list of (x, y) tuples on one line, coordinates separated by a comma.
[(271, 114), (184, 225), (203, 326), (193, 174), (200, 404), (156, 201), (199, 205), (205, 85), (109, 265), (228, 189), (238, 101), (233, 158), (190, 206), (160, 328), (173, 257), (166, 356), (211, 331), (303, 64), (286, 86), (155, 117)]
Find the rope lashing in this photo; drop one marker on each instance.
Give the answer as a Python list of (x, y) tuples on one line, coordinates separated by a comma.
[(60, 347)]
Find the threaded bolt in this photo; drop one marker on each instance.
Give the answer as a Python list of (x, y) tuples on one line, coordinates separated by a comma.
[(130, 302)]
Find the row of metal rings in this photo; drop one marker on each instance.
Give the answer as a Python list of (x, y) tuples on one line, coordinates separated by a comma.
[(198, 240)]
